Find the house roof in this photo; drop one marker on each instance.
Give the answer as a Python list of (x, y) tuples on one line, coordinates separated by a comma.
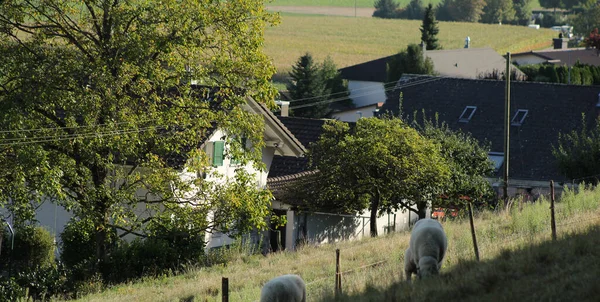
[(552, 108), (462, 63), (279, 186), (568, 56), (306, 130)]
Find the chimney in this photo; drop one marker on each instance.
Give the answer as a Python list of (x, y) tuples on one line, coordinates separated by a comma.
[(285, 106), (561, 43), (468, 42)]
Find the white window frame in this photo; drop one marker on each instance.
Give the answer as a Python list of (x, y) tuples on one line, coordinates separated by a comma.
[(514, 121), (462, 117)]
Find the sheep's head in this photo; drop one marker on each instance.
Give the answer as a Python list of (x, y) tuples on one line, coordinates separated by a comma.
[(428, 266)]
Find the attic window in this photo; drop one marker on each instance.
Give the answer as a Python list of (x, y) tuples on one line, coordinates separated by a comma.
[(497, 158), (466, 115), (519, 117)]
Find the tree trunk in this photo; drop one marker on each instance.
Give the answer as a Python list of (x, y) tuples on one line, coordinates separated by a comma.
[(422, 210), (373, 221)]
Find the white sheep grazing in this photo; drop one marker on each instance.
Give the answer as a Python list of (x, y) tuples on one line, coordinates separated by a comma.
[(286, 288), (426, 250)]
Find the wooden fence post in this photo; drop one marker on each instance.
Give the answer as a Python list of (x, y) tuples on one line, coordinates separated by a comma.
[(473, 232), (552, 218), (338, 274), (225, 289)]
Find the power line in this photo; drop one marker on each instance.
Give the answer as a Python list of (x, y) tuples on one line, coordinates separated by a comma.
[(415, 83), (77, 136), (72, 127)]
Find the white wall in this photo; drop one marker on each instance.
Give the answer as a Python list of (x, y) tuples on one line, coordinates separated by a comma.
[(328, 228), (528, 59), (351, 116), (365, 93)]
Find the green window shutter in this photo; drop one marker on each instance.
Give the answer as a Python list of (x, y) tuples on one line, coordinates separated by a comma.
[(218, 149)]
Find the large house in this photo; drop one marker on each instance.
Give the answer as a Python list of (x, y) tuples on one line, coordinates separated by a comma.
[(539, 112), (366, 80), (279, 141)]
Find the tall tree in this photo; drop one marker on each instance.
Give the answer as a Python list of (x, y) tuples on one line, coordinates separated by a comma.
[(465, 10), (96, 107), (412, 60), (522, 11), (496, 11), (335, 85), (308, 88), (552, 4), (585, 21), (380, 165), (414, 10), (578, 152), (467, 158), (429, 29), (386, 9)]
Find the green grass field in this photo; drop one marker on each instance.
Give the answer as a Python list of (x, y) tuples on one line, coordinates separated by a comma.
[(518, 262), (350, 3), (351, 40), (338, 3)]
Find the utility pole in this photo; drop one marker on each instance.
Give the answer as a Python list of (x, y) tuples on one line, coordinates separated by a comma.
[(506, 128)]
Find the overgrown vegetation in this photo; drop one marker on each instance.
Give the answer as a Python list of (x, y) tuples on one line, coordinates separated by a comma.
[(512, 243), (578, 74)]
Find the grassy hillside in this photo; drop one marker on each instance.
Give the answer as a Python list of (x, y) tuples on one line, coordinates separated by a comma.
[(339, 3), (350, 3), (519, 262), (351, 40)]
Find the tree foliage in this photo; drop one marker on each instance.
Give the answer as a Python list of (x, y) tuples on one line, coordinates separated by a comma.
[(552, 4), (413, 11), (467, 158), (522, 11), (410, 61), (379, 165), (98, 113), (387, 9), (429, 29), (464, 10), (313, 84), (593, 40), (587, 20), (578, 152), (496, 11)]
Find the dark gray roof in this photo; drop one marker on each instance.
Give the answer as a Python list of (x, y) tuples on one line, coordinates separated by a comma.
[(568, 56), (462, 63), (306, 130), (552, 108)]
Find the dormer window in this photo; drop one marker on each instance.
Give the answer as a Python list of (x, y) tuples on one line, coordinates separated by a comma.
[(466, 115), (519, 117)]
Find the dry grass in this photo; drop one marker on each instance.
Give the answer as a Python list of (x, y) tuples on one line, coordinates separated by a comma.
[(351, 40), (514, 247)]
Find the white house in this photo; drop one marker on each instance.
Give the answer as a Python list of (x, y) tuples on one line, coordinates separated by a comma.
[(278, 139)]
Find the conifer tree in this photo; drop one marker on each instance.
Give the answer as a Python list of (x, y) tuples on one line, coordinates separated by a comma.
[(308, 89), (429, 29)]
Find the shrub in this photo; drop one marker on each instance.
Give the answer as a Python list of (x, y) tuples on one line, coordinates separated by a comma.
[(77, 243), (33, 248)]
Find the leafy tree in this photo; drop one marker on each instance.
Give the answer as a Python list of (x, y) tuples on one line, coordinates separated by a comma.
[(387, 9), (593, 40), (496, 11), (96, 107), (461, 10), (552, 4), (379, 165), (586, 21), (335, 85), (578, 152), (413, 11), (308, 87), (409, 61), (429, 29), (522, 11), (467, 158)]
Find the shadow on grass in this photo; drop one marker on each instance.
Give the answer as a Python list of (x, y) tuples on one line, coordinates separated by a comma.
[(567, 269), (187, 299)]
